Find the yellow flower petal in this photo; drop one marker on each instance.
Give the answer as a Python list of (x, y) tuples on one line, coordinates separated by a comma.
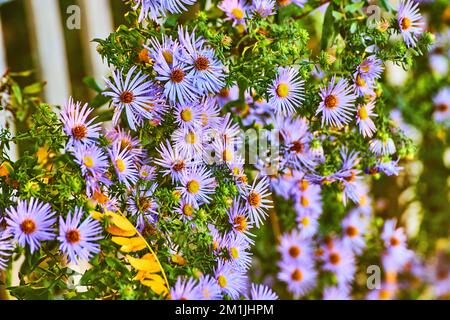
[(5, 169), (156, 286), (130, 244), (143, 264), (119, 232), (121, 222)]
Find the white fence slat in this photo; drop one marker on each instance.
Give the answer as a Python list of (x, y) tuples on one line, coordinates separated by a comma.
[(49, 37), (97, 22)]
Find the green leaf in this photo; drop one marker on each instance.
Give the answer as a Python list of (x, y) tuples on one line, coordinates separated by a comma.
[(328, 32), (34, 88), (91, 83), (17, 93)]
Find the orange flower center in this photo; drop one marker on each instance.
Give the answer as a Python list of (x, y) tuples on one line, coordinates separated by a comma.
[(177, 75), (297, 275), (294, 251), (351, 231), (335, 258), (79, 132), (73, 236), (240, 223), (202, 63), (297, 147), (405, 23), (28, 226), (254, 199), (331, 101), (126, 97)]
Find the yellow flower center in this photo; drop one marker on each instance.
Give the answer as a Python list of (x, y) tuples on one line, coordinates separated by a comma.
[(204, 118), (193, 187), (240, 223), (227, 155), (88, 161), (120, 165), (305, 221), (363, 113), (405, 23), (168, 56), (222, 281), (360, 82), (237, 13), (188, 210), (254, 199), (234, 253), (186, 115), (304, 201), (191, 138), (282, 90)]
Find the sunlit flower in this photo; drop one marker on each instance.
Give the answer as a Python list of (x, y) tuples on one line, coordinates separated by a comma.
[(286, 92), (264, 8), (299, 277), (186, 289), (77, 239), (226, 95), (190, 142), (370, 68), (208, 288), (256, 200), (134, 95), (294, 246), (354, 230), (6, 248), (231, 281), (340, 260), (30, 223), (409, 21), (188, 116), (262, 292), (441, 103), (123, 163), (382, 147), (239, 220), (337, 103), (235, 10), (196, 185), (364, 121), (237, 247), (142, 204), (336, 293), (76, 124), (171, 161)]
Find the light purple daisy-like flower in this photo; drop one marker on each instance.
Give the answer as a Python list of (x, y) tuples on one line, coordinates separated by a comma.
[(78, 238), (294, 246), (363, 87), (226, 95), (410, 22), (185, 210), (307, 198), (149, 8), (299, 277), (239, 220), (354, 228), (6, 248), (210, 112), (76, 124), (337, 103), (262, 292), (93, 164), (395, 259), (227, 130), (340, 260), (123, 163), (206, 70), (185, 289), (441, 103), (336, 293), (126, 141), (286, 92), (191, 142), (142, 204), (382, 147), (172, 161), (349, 176), (231, 281), (134, 94), (235, 10), (237, 247), (147, 173), (297, 139), (308, 223), (30, 223), (178, 81), (188, 116), (263, 8), (208, 288), (218, 240), (176, 6), (389, 168), (363, 119), (257, 200), (370, 68), (197, 185), (393, 237), (167, 48)]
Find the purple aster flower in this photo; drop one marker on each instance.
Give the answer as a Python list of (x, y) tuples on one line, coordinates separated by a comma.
[(354, 229), (307, 198), (218, 240), (149, 8), (185, 210), (239, 220), (76, 124), (147, 173), (167, 48), (135, 95), (257, 200), (186, 289), (337, 103), (123, 163), (370, 68), (205, 68), (396, 258), (297, 139), (442, 105), (363, 87), (235, 10), (30, 223), (438, 274), (383, 146), (294, 246), (191, 142), (176, 6), (286, 92), (231, 281), (210, 112), (208, 288), (409, 21), (237, 247), (349, 176), (340, 260), (227, 130), (393, 237), (263, 8), (386, 292), (172, 161), (6, 248), (226, 95), (197, 185), (363, 120), (78, 238), (389, 168), (142, 204), (308, 223), (126, 141), (188, 116), (262, 292), (336, 293), (299, 277), (178, 82)]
